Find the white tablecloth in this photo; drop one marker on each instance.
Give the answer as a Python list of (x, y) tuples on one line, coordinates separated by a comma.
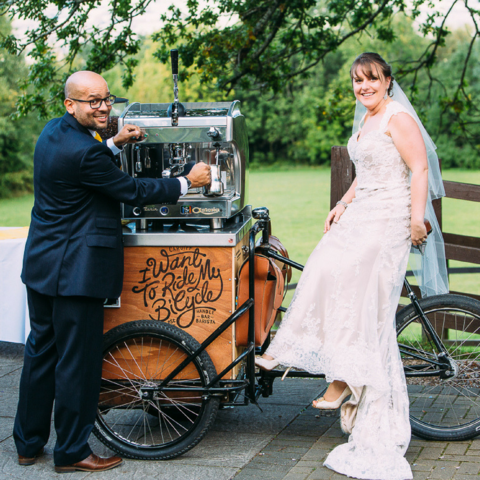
[(14, 320)]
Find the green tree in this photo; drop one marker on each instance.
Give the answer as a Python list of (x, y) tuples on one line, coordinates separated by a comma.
[(153, 81), (16, 137), (298, 103), (261, 44), (303, 122), (456, 130)]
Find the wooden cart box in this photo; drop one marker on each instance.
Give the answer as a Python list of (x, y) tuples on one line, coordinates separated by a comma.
[(193, 288)]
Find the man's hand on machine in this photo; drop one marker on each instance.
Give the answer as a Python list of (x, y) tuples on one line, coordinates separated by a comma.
[(199, 175), (128, 134)]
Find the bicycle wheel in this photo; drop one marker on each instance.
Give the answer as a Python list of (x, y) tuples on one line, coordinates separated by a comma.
[(136, 417), (444, 394)]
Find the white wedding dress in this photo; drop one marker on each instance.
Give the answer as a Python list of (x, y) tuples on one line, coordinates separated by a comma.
[(342, 318)]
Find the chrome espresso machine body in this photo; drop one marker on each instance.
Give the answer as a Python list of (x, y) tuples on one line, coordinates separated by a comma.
[(214, 133)]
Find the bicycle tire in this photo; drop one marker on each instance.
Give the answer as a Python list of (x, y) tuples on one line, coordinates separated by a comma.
[(137, 419), (442, 408)]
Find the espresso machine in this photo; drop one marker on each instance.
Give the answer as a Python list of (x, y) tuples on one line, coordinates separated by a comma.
[(176, 135)]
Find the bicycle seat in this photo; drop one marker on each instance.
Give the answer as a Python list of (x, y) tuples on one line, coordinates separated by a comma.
[(261, 213)]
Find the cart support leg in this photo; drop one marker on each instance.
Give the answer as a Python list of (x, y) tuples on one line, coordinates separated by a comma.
[(251, 314)]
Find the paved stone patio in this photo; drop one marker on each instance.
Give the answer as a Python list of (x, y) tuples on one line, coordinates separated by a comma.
[(288, 441)]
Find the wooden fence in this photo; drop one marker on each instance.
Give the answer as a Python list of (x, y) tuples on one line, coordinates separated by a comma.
[(457, 247)]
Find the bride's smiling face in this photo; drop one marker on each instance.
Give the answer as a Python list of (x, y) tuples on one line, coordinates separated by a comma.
[(370, 87)]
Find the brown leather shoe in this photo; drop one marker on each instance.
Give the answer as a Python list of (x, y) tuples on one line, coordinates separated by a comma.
[(29, 460), (93, 463)]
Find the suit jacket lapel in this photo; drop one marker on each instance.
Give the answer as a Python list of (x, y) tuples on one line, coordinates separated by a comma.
[(72, 121)]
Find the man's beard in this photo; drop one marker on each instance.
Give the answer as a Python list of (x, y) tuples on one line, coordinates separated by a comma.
[(94, 126), (89, 122)]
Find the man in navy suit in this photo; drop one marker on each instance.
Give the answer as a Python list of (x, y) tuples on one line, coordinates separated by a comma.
[(73, 261)]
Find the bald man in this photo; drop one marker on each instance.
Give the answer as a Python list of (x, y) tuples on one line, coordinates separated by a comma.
[(73, 261)]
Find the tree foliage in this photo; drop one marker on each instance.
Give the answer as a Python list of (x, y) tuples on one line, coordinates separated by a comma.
[(286, 60), (16, 137), (235, 44), (300, 124)]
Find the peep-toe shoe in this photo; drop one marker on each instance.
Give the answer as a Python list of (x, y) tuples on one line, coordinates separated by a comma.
[(322, 404)]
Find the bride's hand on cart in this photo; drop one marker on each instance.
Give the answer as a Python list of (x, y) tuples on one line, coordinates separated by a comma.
[(419, 233)]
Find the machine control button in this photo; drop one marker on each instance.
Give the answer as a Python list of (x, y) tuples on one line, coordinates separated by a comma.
[(164, 210), (137, 211)]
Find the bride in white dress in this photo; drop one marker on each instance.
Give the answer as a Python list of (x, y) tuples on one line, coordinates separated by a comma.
[(342, 319)]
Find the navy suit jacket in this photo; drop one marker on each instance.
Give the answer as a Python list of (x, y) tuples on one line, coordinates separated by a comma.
[(74, 246)]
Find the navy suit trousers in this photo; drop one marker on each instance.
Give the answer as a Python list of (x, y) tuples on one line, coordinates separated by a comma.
[(63, 364)]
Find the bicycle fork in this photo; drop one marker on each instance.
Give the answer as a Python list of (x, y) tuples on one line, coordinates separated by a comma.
[(449, 367)]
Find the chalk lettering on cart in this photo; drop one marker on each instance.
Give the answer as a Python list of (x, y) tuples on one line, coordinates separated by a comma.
[(179, 286)]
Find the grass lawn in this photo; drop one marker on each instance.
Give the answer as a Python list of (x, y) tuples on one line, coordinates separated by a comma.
[(298, 200), (15, 212)]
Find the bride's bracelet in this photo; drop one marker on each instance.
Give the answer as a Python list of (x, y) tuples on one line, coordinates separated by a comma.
[(341, 202)]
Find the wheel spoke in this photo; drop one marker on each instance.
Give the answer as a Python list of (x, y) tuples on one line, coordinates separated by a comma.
[(134, 410), (452, 402)]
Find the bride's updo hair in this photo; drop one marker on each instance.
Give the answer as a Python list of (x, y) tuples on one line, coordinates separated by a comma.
[(372, 64)]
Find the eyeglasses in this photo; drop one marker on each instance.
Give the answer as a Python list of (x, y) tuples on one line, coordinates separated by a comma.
[(97, 102)]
